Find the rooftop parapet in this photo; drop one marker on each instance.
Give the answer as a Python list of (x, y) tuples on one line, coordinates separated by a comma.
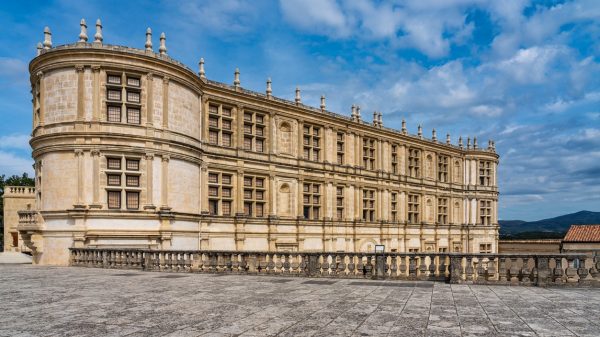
[(46, 46), (13, 191)]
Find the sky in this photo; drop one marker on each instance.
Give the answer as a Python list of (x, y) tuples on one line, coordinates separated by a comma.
[(523, 73)]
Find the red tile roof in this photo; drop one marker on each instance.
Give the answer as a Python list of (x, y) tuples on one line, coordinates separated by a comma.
[(583, 233)]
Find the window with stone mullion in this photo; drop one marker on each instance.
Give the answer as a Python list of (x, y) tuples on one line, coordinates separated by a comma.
[(311, 198), (254, 196)]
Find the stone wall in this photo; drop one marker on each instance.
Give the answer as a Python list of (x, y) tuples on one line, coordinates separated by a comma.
[(15, 199)]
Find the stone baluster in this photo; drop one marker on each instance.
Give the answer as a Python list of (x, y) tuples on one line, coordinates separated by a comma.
[(469, 268), (491, 269), (525, 272), (369, 266), (422, 267), (262, 264), (442, 266), (394, 267), (582, 271), (352, 265), (481, 270), (571, 272), (558, 275), (595, 270), (514, 269), (412, 267), (271, 264), (402, 268), (432, 266)]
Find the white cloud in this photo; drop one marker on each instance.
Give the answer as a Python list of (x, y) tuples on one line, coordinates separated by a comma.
[(12, 164), (315, 16), (17, 141)]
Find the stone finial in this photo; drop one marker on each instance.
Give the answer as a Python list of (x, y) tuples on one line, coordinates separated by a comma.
[(98, 36), (83, 37), (201, 68), (448, 139), (420, 131), (489, 147), (47, 38), (380, 121), (358, 117), (236, 78), (433, 135), (148, 44), (460, 142), (474, 142), (493, 145), (269, 88), (298, 99), (323, 102), (162, 49), (353, 115), (375, 118), (404, 126), (468, 143), (39, 49)]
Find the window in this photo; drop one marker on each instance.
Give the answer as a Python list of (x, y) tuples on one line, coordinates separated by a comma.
[(394, 206), (485, 212), (123, 98), (254, 131), (116, 176), (219, 125), (311, 200), (312, 143), (413, 209), (219, 193), (443, 169), (340, 148), (114, 199), (339, 202), (485, 173), (485, 248), (395, 159), (442, 217), (254, 196), (368, 154), (368, 211), (414, 163)]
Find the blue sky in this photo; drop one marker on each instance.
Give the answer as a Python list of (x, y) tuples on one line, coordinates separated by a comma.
[(524, 73)]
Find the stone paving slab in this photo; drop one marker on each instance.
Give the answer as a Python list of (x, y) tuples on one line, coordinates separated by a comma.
[(62, 301)]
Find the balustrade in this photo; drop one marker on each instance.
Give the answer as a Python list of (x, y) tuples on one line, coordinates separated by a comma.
[(516, 269)]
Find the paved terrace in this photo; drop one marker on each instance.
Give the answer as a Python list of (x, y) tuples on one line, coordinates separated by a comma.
[(61, 301)]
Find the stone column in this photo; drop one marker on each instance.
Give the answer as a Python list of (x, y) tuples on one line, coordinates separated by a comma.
[(79, 157), (239, 191), (95, 93), (272, 194), (79, 69), (42, 89), (149, 111), (238, 112), (149, 181), (165, 112), (204, 188), (300, 147), (300, 197), (165, 182), (95, 178)]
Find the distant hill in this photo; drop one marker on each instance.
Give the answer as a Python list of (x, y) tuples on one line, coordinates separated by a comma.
[(547, 228)]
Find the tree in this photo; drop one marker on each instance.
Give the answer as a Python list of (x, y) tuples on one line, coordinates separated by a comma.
[(13, 180)]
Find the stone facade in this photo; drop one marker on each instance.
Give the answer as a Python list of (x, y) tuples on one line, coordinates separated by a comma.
[(133, 149), (16, 198)]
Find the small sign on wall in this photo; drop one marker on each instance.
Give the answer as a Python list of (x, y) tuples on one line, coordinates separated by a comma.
[(379, 249)]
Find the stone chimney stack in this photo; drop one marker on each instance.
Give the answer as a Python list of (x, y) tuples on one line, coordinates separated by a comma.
[(148, 44), (358, 117), (98, 36), (468, 143), (47, 38), (201, 68), (162, 49), (474, 143), (460, 142), (375, 119), (448, 139), (236, 78), (420, 131), (83, 37), (322, 102), (380, 122), (433, 135), (404, 126), (269, 89), (298, 99)]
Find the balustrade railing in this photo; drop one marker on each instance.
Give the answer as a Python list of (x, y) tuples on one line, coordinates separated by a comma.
[(515, 269)]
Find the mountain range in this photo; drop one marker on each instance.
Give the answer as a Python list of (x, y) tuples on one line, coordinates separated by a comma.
[(547, 228)]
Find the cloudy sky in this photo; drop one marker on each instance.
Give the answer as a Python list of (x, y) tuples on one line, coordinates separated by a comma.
[(524, 73)]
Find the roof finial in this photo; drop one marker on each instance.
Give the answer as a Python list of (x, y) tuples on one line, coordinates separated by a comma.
[(298, 99), (148, 44), (380, 122), (201, 68), (353, 114), (433, 135), (420, 131), (375, 119), (489, 144), (162, 50), (474, 142), (83, 34), (460, 142), (236, 78), (47, 38), (358, 117), (468, 143), (322, 102), (448, 139), (269, 89), (403, 126), (98, 36), (39, 49)]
